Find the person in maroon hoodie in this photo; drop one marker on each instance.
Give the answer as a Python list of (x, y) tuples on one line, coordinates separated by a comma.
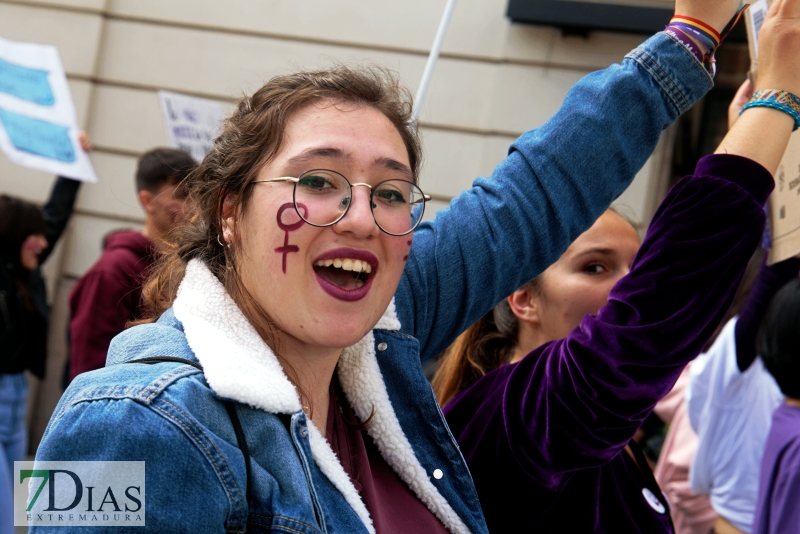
[(108, 296)]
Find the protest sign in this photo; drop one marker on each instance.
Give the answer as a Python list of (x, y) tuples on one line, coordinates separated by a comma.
[(192, 123), (754, 19), (38, 127), (784, 203)]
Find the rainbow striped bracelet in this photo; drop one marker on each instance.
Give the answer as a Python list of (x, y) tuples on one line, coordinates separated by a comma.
[(700, 39)]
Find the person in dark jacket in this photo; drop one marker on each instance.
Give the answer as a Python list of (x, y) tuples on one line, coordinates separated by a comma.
[(27, 237), (107, 297), (22, 323), (23, 332), (56, 214)]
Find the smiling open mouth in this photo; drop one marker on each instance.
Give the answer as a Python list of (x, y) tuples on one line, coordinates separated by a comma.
[(345, 273)]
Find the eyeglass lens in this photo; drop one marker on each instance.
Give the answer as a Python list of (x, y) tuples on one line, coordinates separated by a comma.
[(326, 196)]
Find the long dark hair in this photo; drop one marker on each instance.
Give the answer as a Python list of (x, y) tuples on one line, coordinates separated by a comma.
[(779, 339), (19, 219)]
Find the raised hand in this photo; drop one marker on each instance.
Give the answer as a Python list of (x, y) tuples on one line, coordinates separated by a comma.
[(779, 48), (86, 144)]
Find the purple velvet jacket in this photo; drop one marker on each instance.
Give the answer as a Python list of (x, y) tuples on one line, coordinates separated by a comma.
[(544, 438)]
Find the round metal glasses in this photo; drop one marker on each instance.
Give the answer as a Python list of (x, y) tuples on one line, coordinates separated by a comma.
[(322, 197)]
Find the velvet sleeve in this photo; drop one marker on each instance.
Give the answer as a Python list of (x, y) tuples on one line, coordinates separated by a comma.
[(575, 403)]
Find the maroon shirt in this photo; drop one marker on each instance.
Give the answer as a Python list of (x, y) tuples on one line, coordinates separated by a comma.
[(106, 298), (391, 504)]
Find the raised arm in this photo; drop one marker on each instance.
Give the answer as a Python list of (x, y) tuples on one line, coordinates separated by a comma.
[(781, 31), (575, 403), (553, 185), (57, 211), (779, 50)]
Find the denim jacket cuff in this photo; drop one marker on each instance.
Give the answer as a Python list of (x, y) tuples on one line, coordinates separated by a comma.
[(673, 68)]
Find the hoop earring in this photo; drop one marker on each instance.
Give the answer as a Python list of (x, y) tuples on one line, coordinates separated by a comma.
[(223, 245)]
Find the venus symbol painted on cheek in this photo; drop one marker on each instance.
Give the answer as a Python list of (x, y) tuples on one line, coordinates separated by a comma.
[(405, 258), (289, 227)]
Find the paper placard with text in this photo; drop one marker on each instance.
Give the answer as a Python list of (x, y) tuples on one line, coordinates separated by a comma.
[(191, 123), (38, 126), (754, 19), (784, 203)]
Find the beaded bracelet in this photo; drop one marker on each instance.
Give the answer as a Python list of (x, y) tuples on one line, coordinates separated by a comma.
[(776, 99)]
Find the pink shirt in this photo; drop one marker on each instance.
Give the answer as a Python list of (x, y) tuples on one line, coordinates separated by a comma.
[(691, 513)]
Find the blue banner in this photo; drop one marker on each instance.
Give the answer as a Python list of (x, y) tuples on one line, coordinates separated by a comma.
[(38, 137), (27, 84)]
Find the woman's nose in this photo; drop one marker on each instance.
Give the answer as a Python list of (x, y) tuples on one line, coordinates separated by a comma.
[(359, 219)]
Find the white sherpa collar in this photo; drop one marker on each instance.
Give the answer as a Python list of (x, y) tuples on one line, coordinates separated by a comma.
[(238, 365)]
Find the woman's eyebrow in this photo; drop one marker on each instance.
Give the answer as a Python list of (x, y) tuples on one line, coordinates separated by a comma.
[(394, 165), (605, 251), (316, 153), (311, 154)]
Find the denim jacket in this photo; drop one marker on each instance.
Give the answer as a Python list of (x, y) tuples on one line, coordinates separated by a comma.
[(493, 238)]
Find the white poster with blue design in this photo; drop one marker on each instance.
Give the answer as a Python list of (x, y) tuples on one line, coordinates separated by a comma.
[(38, 126)]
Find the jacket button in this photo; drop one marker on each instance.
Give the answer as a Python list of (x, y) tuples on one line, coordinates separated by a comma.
[(303, 431), (437, 474), (382, 346)]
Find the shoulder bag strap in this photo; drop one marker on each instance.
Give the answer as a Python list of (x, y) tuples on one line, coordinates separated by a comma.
[(230, 406)]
